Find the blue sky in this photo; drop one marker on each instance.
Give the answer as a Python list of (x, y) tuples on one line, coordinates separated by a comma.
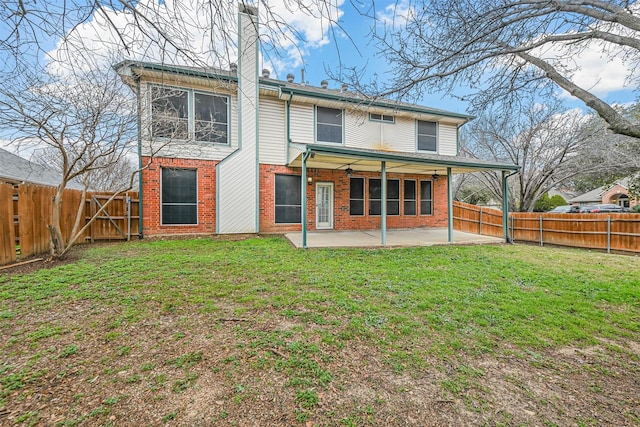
[(321, 47)]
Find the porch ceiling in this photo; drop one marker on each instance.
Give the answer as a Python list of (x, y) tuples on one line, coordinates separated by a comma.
[(364, 160)]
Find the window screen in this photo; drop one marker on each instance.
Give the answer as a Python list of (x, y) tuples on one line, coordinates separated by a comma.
[(375, 196), (288, 199), (426, 198), (179, 196), (356, 196), (211, 118), (409, 197), (169, 111), (328, 125), (427, 136), (393, 197)]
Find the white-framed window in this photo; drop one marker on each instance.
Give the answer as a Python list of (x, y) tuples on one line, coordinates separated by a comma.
[(356, 196), (426, 197), (427, 136), (329, 123), (375, 197), (288, 199), (183, 114), (179, 196), (381, 118), (409, 197)]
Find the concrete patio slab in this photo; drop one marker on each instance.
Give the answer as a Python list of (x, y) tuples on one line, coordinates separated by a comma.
[(395, 238)]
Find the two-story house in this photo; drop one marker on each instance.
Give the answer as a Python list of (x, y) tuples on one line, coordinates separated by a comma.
[(233, 151)]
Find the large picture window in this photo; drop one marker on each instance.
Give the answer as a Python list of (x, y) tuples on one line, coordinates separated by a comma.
[(187, 115), (179, 197), (426, 198), (409, 197), (427, 136), (328, 125), (356, 196), (288, 199)]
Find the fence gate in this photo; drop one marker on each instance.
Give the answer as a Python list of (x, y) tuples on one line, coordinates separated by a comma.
[(114, 222)]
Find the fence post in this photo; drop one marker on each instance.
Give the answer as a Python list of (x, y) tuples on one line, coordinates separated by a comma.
[(480, 223), (541, 241), (608, 234), (513, 229), (128, 218)]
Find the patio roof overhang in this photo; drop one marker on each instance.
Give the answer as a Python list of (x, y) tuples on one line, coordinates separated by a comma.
[(360, 159), (367, 160)]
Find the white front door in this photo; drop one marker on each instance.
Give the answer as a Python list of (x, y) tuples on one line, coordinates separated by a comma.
[(324, 205)]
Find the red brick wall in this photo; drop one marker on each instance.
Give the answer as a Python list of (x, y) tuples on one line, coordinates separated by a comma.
[(342, 219), (206, 176)]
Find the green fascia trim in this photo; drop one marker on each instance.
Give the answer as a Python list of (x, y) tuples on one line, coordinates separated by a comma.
[(283, 88), (382, 104), (173, 69), (324, 149)]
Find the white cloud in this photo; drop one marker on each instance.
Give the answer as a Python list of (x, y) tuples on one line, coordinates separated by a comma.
[(396, 14), (193, 32)]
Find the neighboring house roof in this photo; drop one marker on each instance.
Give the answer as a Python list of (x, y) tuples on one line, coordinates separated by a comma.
[(288, 90), (15, 169), (595, 195)]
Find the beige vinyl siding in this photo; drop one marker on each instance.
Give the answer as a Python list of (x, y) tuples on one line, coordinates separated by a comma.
[(273, 132), (236, 179), (363, 133), (302, 124), (447, 141)]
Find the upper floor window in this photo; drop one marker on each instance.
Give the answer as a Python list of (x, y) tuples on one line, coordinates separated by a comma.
[(211, 118), (187, 115), (170, 113), (329, 125), (427, 136), (381, 118)]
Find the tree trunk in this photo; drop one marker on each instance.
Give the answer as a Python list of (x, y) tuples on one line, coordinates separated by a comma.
[(57, 240)]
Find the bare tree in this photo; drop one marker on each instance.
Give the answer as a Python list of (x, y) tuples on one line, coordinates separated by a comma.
[(499, 49), (545, 142), (89, 123)]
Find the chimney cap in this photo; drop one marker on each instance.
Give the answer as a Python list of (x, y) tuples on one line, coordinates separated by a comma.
[(324, 84), (345, 87), (233, 67), (290, 77), (266, 73)]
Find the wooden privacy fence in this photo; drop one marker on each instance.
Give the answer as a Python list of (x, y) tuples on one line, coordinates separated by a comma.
[(605, 231), (25, 213)]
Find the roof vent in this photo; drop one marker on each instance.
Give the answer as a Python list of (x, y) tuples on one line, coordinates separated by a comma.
[(324, 84), (233, 67), (265, 73), (345, 87), (290, 78)]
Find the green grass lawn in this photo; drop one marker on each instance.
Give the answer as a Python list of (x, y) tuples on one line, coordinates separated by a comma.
[(229, 332)]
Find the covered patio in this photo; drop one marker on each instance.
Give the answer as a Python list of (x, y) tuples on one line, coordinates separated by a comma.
[(350, 160), (395, 238)]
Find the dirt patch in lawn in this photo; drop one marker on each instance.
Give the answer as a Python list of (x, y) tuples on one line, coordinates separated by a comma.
[(90, 365)]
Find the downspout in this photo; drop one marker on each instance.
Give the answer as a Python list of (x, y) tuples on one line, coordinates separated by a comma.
[(303, 183), (505, 206), (383, 207), (449, 205), (288, 119), (140, 199)]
